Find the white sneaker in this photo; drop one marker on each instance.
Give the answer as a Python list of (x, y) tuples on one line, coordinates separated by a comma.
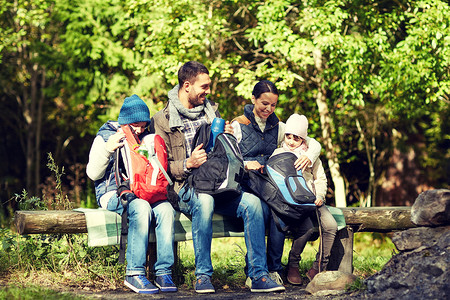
[(248, 282), (276, 277)]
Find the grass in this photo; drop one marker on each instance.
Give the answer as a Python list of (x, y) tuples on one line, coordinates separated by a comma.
[(34, 293), (371, 252), (40, 262)]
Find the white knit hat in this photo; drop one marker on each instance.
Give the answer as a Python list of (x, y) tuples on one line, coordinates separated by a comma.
[(297, 125)]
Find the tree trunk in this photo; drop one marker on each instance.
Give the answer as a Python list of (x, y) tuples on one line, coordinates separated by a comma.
[(32, 149), (370, 152), (327, 130)]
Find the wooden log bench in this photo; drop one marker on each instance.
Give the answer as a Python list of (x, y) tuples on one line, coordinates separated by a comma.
[(358, 219)]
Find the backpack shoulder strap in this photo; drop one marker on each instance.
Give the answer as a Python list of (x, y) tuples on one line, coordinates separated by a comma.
[(202, 135), (123, 236), (130, 135), (154, 157), (123, 184)]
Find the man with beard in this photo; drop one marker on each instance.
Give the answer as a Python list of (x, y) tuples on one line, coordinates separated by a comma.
[(187, 109)]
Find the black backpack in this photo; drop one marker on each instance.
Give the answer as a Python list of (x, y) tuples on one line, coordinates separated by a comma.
[(222, 173), (284, 189)]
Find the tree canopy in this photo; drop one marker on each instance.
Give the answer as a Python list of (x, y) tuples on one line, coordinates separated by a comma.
[(371, 76)]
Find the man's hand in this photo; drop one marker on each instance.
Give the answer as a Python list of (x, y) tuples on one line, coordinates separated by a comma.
[(197, 158), (254, 165), (302, 162), (115, 141)]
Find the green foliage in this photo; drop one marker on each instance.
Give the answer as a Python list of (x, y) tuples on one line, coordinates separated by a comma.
[(381, 62), (66, 67), (416, 70), (29, 203), (34, 293), (371, 252), (59, 254), (61, 200), (357, 286)]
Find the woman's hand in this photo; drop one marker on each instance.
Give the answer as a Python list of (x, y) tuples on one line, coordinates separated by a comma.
[(115, 141), (302, 162), (318, 202), (228, 128), (254, 165)]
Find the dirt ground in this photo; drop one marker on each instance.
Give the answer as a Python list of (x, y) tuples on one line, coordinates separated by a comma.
[(121, 292), (221, 294)]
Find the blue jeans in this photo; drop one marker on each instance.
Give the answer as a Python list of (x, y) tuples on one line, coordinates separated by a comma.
[(247, 206), (141, 216)]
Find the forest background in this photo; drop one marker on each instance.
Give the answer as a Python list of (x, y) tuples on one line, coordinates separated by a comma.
[(372, 77)]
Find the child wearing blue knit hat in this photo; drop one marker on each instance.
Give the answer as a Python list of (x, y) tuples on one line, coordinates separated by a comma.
[(100, 168), (134, 110)]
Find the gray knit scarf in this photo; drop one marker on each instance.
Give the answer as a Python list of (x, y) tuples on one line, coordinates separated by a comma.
[(176, 108)]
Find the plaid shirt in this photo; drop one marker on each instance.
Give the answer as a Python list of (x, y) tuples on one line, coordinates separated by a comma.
[(190, 128)]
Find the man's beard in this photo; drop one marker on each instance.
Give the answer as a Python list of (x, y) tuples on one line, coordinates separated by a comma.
[(196, 100)]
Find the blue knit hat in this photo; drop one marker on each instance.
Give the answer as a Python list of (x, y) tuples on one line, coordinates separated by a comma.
[(134, 110)]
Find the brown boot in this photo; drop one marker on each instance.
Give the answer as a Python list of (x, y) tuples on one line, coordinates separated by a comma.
[(293, 276), (312, 273)]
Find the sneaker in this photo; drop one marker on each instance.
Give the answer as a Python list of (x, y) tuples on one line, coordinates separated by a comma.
[(312, 273), (264, 284), (293, 276), (165, 283), (248, 282), (275, 276), (140, 284), (204, 285)]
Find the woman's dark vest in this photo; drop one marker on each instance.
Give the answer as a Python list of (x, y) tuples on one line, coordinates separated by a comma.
[(255, 144)]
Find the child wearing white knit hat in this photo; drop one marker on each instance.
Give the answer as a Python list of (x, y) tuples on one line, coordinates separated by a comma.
[(297, 125), (296, 133)]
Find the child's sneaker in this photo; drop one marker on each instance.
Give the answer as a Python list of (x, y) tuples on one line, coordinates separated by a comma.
[(275, 276), (165, 283), (140, 284), (264, 285), (204, 285)]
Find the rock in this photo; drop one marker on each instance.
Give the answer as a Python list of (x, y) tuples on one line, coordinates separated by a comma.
[(422, 269), (420, 274), (330, 283), (432, 208), (422, 237)]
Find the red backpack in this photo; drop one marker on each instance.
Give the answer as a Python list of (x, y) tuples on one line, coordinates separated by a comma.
[(141, 166)]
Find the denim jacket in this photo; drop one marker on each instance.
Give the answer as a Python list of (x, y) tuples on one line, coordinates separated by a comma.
[(108, 182)]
